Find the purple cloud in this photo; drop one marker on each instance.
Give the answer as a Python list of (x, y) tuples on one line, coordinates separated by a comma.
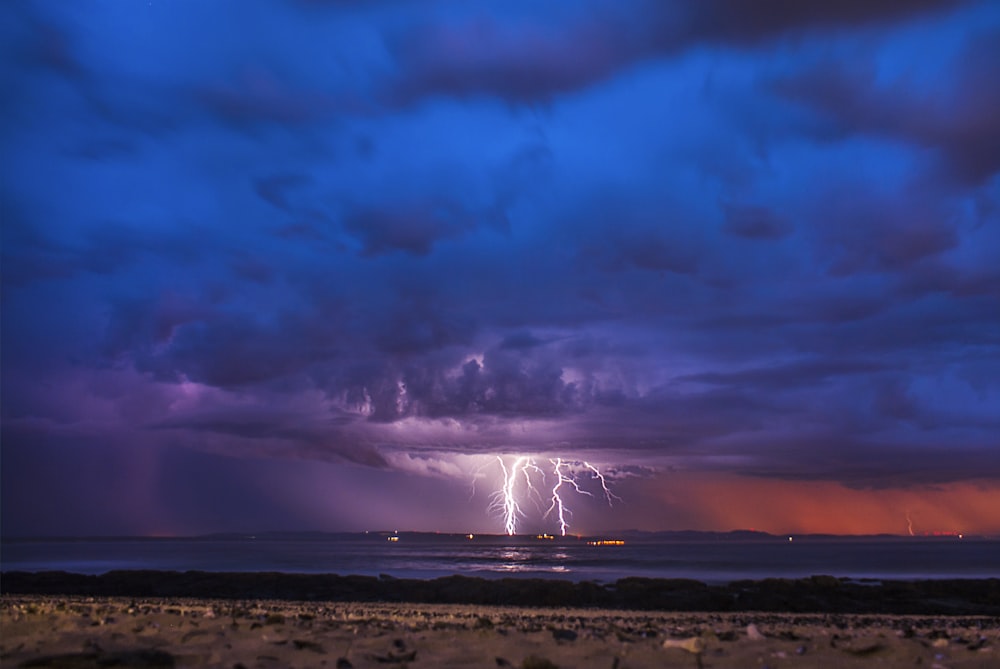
[(707, 238)]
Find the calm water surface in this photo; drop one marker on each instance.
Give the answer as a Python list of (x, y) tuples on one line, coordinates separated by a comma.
[(715, 560)]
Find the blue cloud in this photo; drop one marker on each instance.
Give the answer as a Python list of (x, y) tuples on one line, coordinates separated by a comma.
[(335, 230)]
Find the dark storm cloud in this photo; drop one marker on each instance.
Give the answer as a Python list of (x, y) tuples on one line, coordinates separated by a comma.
[(887, 236), (36, 41), (230, 351), (264, 97), (722, 236), (787, 375), (650, 251), (412, 228), (754, 222), (531, 57), (503, 384), (288, 433), (522, 61), (274, 189), (960, 122), (520, 340), (106, 247), (732, 20), (104, 149)]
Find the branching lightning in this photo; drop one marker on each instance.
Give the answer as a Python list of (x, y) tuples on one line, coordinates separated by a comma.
[(604, 484), (505, 500), (557, 502), (529, 464)]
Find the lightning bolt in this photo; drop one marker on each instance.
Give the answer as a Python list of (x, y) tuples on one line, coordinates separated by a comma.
[(528, 467), (476, 473), (604, 484), (909, 523), (557, 502), (504, 501), (504, 498)]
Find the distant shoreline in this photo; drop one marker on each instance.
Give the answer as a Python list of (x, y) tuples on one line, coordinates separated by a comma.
[(818, 594), (422, 535)]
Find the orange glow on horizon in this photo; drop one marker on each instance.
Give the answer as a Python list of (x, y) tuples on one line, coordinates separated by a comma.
[(778, 506)]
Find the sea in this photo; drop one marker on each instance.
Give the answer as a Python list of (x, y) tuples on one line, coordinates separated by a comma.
[(708, 557)]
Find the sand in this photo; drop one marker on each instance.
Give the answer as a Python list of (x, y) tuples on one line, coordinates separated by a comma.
[(56, 631)]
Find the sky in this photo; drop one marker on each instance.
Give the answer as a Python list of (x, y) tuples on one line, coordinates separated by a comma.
[(327, 264)]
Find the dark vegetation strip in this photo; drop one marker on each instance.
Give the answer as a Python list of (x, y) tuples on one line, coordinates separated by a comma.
[(818, 594)]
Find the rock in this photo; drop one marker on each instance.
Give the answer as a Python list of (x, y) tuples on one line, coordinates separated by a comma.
[(694, 644), (865, 648), (535, 662), (301, 644), (396, 658), (753, 633)]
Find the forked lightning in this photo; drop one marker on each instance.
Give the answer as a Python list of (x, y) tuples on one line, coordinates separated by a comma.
[(505, 503)]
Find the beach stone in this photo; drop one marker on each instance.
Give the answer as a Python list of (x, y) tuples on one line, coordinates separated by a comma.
[(535, 662), (864, 647), (396, 658), (302, 644), (694, 644)]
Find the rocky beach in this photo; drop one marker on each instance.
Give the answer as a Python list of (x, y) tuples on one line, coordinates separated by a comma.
[(75, 631), (193, 619)]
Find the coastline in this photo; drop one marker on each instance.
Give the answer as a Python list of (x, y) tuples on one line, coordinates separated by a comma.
[(818, 594), (92, 631)]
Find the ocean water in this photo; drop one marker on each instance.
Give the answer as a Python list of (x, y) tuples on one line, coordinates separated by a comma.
[(712, 558)]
